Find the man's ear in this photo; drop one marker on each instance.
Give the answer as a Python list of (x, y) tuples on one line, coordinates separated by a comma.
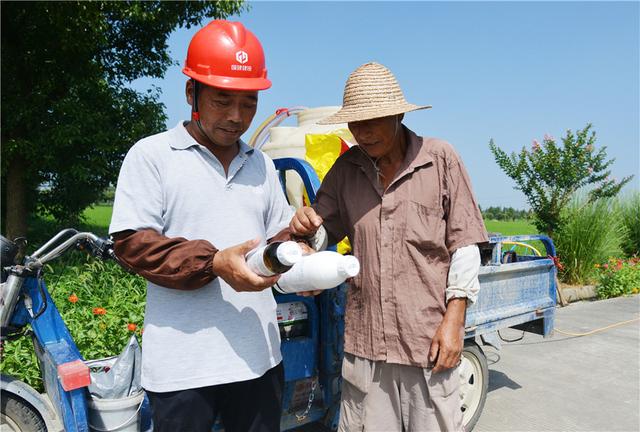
[(188, 91), (400, 117)]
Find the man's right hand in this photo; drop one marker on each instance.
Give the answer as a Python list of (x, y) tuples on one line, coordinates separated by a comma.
[(230, 264), (305, 222)]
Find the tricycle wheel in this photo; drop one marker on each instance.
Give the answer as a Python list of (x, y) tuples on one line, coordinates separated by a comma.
[(474, 383), (17, 415)]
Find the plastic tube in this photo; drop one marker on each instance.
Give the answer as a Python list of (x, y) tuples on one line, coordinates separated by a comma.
[(261, 135)]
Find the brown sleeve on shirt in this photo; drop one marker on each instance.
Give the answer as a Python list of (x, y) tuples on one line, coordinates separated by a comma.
[(328, 208), (175, 263), (465, 225)]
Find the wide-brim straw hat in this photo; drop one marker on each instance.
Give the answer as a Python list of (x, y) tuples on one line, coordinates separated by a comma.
[(372, 91)]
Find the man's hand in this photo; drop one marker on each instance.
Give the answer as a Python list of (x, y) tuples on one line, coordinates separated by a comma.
[(306, 250), (448, 341), (305, 222), (230, 264)]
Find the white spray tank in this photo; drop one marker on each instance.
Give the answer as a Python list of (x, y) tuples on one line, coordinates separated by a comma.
[(318, 271), (288, 141)]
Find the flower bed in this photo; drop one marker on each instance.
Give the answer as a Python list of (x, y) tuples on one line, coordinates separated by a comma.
[(618, 277), (101, 305)]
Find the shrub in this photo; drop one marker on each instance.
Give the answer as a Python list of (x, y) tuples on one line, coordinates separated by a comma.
[(630, 212), (550, 174), (619, 277), (590, 233), (101, 305)]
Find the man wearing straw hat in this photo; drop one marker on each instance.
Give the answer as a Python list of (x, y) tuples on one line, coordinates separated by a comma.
[(406, 204)]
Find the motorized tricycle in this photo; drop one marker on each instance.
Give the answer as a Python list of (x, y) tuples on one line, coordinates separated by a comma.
[(517, 292)]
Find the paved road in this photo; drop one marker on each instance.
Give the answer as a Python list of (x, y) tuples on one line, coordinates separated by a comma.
[(566, 383)]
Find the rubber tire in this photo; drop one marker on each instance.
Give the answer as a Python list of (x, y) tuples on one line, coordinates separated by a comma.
[(21, 413), (471, 349)]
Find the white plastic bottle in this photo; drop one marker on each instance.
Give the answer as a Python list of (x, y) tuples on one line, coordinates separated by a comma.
[(318, 271), (274, 258)]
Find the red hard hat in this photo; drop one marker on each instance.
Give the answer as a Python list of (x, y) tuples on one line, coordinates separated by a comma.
[(225, 54)]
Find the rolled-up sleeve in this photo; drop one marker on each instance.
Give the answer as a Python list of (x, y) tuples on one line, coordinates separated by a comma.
[(462, 281)]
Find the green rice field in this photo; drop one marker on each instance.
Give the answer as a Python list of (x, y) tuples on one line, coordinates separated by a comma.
[(100, 216), (515, 227)]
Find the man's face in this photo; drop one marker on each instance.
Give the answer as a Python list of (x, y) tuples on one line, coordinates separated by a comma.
[(377, 136), (224, 114)]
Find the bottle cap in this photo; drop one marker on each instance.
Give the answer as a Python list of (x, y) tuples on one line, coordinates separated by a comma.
[(289, 253), (349, 266)]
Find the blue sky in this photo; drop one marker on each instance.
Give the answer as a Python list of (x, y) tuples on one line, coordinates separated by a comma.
[(511, 71)]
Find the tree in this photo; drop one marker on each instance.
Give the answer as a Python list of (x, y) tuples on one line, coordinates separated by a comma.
[(550, 174), (504, 213), (68, 112)]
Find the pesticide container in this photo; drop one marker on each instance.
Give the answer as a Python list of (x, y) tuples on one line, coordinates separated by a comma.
[(319, 271), (274, 258), (287, 141), (117, 415)]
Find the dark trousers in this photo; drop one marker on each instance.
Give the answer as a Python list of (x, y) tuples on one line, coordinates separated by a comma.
[(245, 406)]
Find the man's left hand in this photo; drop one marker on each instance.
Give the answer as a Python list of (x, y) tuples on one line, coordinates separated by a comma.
[(447, 344)]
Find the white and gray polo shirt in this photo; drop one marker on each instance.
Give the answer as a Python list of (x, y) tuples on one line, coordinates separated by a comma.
[(212, 335)]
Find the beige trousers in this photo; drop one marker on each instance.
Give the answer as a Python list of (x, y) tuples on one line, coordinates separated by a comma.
[(379, 396)]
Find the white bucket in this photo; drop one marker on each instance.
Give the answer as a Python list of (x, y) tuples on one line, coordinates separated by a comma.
[(121, 415)]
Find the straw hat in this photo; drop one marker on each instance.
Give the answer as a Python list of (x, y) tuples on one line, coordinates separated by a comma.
[(371, 92)]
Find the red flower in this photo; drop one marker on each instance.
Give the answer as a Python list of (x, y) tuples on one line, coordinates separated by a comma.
[(605, 266), (131, 327), (73, 298), (99, 311)]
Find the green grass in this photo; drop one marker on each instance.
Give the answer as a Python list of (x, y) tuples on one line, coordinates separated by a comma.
[(630, 213), (516, 227), (506, 228), (591, 233), (99, 215), (42, 228)]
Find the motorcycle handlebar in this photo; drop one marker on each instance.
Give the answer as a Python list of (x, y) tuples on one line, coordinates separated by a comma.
[(96, 246)]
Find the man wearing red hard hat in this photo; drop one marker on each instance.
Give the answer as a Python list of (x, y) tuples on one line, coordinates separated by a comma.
[(190, 203)]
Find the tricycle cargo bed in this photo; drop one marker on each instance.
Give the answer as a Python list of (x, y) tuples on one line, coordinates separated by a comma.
[(514, 290)]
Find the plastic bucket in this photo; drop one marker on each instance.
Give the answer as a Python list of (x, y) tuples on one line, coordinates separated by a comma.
[(121, 415)]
